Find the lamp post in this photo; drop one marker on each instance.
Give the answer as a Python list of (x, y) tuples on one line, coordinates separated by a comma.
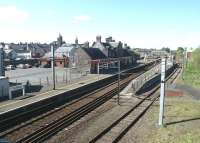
[(162, 91), (53, 66)]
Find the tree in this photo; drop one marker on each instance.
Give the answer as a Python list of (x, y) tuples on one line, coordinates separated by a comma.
[(180, 54), (196, 58), (180, 51), (166, 49)]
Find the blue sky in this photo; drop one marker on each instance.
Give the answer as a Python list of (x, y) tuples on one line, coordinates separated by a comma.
[(140, 23)]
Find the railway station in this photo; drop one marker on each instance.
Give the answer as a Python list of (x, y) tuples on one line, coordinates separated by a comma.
[(97, 84), (104, 76), (102, 88), (99, 71)]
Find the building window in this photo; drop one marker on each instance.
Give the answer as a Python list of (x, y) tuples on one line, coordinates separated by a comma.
[(61, 62)]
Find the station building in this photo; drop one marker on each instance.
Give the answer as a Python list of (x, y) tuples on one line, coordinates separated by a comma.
[(103, 54)]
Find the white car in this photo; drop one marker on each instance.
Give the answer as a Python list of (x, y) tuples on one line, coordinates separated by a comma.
[(10, 67), (21, 66)]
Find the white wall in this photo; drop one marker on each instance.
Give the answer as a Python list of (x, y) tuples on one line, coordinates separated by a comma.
[(2, 71), (24, 55), (4, 86)]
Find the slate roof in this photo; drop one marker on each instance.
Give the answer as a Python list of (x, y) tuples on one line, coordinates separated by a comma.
[(126, 53), (21, 51), (114, 44), (94, 53), (64, 51), (106, 45)]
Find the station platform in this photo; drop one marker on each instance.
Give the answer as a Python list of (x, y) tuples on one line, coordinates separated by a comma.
[(11, 105)]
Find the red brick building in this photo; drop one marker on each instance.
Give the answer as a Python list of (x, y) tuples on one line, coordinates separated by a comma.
[(59, 62)]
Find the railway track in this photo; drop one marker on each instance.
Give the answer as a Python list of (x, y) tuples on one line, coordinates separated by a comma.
[(46, 132), (24, 114), (78, 108), (116, 131), (102, 96)]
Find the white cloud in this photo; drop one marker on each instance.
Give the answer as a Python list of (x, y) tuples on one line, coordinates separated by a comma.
[(81, 18), (12, 14)]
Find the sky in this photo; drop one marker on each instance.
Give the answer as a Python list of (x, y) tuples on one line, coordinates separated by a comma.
[(139, 23)]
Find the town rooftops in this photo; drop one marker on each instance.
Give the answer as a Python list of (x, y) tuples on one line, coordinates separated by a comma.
[(94, 53), (21, 51)]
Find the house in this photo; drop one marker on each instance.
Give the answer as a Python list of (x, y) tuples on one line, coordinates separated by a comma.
[(39, 50), (143, 52), (63, 54), (17, 51), (8, 52), (151, 53), (61, 57), (103, 55), (113, 49), (85, 58), (104, 47), (30, 50), (23, 54)]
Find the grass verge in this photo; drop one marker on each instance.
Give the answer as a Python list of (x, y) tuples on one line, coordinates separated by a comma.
[(191, 76), (182, 123)]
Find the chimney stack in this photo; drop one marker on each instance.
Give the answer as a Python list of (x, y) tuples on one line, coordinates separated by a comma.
[(98, 38)]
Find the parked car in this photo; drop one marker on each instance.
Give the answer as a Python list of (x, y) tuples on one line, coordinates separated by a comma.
[(36, 65), (28, 66), (21, 66), (10, 67), (18, 59), (46, 66)]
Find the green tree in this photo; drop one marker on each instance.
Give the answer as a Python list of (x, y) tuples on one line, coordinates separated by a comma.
[(180, 51), (196, 58), (166, 49), (180, 54)]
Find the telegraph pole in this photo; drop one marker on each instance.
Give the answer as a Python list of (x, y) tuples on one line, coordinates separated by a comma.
[(53, 66), (118, 81), (162, 91)]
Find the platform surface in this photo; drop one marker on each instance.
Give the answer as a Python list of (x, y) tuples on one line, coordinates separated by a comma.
[(10, 105)]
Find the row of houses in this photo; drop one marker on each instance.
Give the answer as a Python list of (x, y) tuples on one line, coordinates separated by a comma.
[(100, 54), (24, 50), (152, 53)]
